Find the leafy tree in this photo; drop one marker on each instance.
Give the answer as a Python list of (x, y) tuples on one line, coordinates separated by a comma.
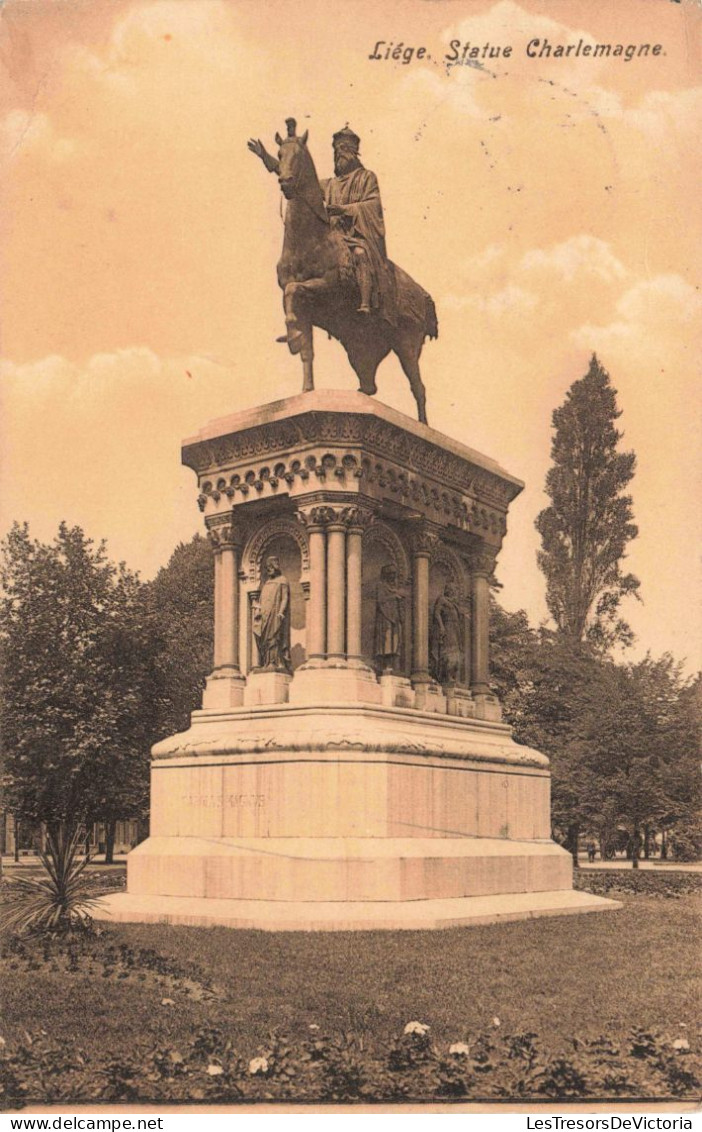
[(679, 721), (624, 738), (585, 530), (643, 745), (77, 673), (623, 743), (181, 603), (513, 649), (550, 708)]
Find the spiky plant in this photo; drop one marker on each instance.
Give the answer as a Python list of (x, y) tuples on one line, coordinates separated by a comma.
[(59, 900)]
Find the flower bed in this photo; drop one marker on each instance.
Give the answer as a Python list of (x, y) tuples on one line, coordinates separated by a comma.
[(327, 1068)]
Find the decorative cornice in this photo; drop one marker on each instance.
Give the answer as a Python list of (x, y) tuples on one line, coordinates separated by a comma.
[(338, 740), (374, 435), (412, 492)]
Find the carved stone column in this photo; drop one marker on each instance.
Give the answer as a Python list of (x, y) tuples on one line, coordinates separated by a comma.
[(226, 597), (313, 520), (217, 560), (468, 644), (357, 518), (225, 685), (482, 566), (334, 671), (230, 600), (334, 626), (422, 545), (336, 589)]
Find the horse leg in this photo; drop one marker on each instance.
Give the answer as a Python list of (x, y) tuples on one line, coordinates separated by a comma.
[(299, 328), (291, 307), (408, 352), (307, 354), (365, 364)]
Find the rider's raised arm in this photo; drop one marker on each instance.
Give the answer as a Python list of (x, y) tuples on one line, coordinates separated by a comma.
[(271, 163)]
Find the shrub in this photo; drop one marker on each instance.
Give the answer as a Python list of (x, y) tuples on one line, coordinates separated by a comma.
[(686, 841), (60, 899), (665, 883)]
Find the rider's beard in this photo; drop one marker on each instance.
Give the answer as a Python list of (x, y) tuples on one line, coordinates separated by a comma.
[(345, 162)]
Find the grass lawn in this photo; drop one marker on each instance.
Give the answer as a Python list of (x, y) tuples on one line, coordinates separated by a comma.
[(586, 975)]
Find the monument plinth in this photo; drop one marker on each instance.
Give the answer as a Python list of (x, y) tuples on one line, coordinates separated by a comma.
[(349, 767)]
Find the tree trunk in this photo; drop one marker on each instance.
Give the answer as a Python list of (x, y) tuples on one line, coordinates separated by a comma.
[(664, 847), (635, 848), (110, 830), (17, 837), (647, 842), (572, 843)]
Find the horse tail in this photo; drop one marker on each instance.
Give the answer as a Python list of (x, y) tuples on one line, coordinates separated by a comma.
[(431, 322), (414, 304)]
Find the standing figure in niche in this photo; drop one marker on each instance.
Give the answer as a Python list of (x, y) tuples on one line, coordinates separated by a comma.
[(446, 639), (389, 621), (272, 619)]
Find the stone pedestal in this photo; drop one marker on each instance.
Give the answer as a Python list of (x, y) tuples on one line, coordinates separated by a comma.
[(266, 688), (223, 690), (348, 790)]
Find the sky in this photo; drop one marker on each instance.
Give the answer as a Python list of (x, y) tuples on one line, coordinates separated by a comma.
[(549, 205)]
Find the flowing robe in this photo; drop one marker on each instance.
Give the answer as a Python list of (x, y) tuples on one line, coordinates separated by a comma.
[(358, 194), (389, 619), (446, 643), (272, 625)]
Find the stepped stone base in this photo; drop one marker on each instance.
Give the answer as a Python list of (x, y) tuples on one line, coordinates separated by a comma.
[(325, 869), (338, 817), (291, 916)]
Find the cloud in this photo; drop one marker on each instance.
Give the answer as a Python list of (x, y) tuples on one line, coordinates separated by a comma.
[(547, 210), (156, 36), (654, 323), (33, 132), (561, 280), (110, 459), (568, 90), (511, 300), (581, 255), (668, 117)]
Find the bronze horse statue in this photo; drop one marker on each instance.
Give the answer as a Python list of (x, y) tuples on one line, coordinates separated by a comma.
[(319, 286)]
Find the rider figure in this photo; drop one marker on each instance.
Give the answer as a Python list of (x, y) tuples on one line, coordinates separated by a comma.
[(352, 200)]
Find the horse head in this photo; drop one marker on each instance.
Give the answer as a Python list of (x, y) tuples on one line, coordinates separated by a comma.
[(296, 172)]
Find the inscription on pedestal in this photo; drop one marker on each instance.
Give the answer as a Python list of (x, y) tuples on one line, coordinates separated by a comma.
[(228, 801)]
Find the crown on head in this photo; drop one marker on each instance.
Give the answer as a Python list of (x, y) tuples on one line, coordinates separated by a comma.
[(346, 137)]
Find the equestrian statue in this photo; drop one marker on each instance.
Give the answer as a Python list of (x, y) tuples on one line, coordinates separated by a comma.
[(334, 271)]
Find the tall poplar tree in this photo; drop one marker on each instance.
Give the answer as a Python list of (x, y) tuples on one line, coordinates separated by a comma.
[(586, 529)]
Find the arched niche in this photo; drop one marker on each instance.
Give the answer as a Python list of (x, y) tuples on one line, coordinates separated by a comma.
[(446, 567), (382, 546), (286, 541)]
